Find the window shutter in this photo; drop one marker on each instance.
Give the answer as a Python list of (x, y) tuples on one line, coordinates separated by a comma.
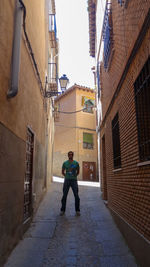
[(87, 138)]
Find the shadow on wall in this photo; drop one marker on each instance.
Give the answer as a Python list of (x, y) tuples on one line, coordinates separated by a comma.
[(58, 159)]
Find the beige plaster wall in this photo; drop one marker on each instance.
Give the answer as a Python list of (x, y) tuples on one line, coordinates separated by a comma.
[(69, 131), (27, 108)]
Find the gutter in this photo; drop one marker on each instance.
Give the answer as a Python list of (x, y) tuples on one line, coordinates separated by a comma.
[(15, 63), (20, 18)]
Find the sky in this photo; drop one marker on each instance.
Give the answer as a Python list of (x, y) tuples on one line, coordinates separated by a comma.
[(73, 34)]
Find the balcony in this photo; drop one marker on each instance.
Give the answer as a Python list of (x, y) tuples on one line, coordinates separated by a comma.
[(52, 80), (52, 30)]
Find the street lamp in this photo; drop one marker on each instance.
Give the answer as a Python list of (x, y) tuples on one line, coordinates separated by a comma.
[(63, 80)]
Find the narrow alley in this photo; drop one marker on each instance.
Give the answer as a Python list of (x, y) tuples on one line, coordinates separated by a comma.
[(91, 239)]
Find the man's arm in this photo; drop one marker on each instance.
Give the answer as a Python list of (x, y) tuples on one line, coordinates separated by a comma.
[(78, 170), (63, 171)]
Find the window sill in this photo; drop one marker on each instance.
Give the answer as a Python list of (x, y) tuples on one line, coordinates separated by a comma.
[(117, 170), (88, 148), (143, 163)]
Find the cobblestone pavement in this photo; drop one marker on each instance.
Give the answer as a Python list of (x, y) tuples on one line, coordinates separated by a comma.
[(91, 239)]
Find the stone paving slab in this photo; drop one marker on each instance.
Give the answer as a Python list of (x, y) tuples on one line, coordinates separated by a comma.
[(28, 253), (41, 229), (91, 239)]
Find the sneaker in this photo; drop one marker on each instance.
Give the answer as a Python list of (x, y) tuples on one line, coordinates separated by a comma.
[(78, 213), (62, 213)]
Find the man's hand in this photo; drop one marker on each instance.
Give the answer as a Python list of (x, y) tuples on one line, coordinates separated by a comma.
[(77, 171), (63, 172)]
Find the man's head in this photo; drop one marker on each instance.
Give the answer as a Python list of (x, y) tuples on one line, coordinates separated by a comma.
[(70, 155)]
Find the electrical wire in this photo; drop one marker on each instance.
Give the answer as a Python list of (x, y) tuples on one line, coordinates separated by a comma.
[(71, 112)]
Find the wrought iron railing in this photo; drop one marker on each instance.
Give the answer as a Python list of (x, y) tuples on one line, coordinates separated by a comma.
[(107, 34), (52, 73), (142, 101)]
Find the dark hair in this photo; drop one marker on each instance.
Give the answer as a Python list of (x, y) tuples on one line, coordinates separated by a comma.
[(70, 152)]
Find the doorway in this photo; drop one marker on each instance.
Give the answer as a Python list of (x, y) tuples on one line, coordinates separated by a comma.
[(89, 171), (104, 176)]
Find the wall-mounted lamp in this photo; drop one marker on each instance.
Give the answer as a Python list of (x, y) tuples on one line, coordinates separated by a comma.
[(63, 82)]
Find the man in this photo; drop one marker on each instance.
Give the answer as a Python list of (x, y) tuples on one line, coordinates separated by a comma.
[(70, 169)]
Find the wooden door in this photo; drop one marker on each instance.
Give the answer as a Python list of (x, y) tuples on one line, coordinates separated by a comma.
[(89, 171)]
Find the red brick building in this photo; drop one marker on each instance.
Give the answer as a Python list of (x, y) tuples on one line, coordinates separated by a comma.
[(123, 77)]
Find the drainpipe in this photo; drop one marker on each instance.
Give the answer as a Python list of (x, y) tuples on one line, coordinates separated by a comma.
[(15, 64)]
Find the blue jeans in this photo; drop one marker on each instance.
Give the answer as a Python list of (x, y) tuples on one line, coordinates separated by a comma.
[(74, 185)]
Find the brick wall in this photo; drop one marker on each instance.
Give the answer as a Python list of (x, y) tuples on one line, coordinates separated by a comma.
[(128, 189), (126, 23)]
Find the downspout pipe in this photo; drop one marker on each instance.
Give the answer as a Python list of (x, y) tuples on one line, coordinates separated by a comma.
[(15, 63)]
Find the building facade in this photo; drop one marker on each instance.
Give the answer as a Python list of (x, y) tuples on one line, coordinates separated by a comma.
[(26, 118), (75, 130), (123, 88)]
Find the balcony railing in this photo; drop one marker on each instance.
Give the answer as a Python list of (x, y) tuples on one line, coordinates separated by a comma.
[(52, 29), (52, 80), (52, 73), (107, 34)]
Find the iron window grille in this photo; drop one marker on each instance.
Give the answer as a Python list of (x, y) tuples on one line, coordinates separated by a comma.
[(107, 34), (28, 175), (142, 103), (116, 142), (88, 141)]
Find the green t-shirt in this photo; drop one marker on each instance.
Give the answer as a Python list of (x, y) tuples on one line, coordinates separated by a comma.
[(71, 169)]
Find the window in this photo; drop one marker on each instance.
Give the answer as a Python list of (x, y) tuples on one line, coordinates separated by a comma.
[(142, 102), (123, 2), (88, 104), (126, 3), (87, 141), (116, 142), (120, 2)]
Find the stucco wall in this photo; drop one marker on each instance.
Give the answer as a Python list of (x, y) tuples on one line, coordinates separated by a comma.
[(26, 109), (69, 130)]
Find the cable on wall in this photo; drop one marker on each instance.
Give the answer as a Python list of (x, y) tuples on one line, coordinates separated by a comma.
[(30, 48)]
